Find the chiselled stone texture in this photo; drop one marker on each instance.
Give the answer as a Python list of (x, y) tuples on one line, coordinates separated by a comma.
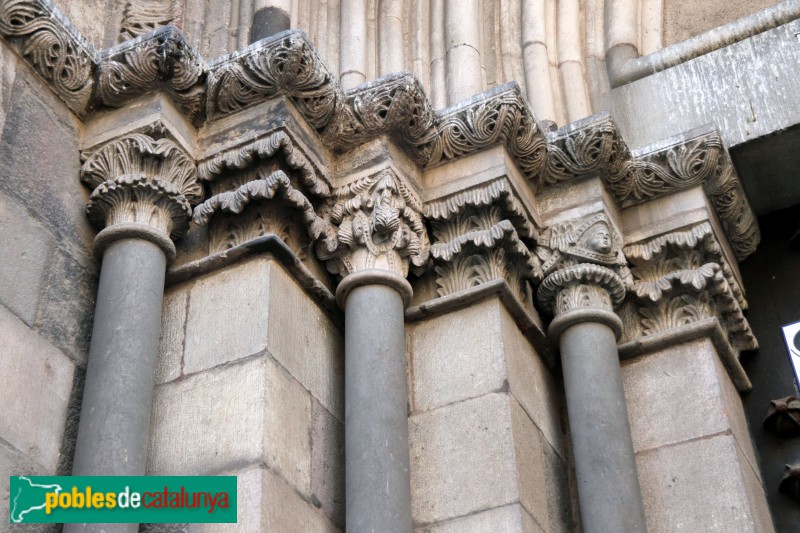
[(682, 278), (144, 180), (160, 61), (482, 234), (582, 265), (378, 223), (594, 145), (53, 48), (144, 16)]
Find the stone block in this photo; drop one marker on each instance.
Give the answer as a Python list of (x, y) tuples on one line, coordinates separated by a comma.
[(462, 459), (327, 463), (268, 503), (227, 316), (695, 486), (252, 411), (456, 356), (32, 422), (532, 383), (173, 324), (26, 247), (13, 463), (675, 395), (66, 306), (509, 519), (531, 471), (684, 19), (305, 341)]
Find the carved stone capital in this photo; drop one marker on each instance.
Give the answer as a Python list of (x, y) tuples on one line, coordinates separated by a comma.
[(683, 278), (378, 225), (144, 182)]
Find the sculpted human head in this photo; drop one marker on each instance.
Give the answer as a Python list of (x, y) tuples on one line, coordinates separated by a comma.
[(600, 240)]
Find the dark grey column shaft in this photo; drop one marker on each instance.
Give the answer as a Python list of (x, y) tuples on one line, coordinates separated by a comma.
[(378, 490), (115, 414), (608, 486), (268, 20)]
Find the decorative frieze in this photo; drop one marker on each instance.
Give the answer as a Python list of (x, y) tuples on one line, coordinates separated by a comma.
[(379, 225), (163, 61), (141, 180), (145, 16), (683, 278), (52, 47)]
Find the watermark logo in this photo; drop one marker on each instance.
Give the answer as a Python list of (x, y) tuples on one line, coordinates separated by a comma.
[(122, 499)]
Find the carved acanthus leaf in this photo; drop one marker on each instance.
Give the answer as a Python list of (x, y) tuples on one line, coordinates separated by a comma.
[(495, 193), (144, 16), (276, 185), (567, 278), (393, 105), (53, 47), (378, 225), (140, 154), (163, 60), (466, 270), (285, 65), (134, 198), (314, 179)]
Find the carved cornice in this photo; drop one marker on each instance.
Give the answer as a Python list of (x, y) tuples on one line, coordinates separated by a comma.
[(682, 278), (314, 179), (379, 225), (594, 146), (275, 186), (163, 61), (52, 47), (144, 16), (285, 65), (137, 175)]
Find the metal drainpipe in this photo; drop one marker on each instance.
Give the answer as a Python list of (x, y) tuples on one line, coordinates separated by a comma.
[(377, 480)]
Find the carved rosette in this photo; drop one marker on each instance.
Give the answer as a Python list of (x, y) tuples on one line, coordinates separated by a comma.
[(53, 47), (378, 227), (683, 278), (586, 276), (141, 182), (481, 235)]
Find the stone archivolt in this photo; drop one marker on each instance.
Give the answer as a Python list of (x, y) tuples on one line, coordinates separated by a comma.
[(482, 234), (144, 16), (379, 225), (682, 278), (139, 179)]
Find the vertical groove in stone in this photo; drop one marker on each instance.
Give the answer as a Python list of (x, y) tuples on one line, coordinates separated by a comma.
[(420, 25), (437, 64), (352, 40)]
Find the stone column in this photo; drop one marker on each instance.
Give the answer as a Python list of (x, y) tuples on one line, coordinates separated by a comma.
[(586, 278), (379, 233), (142, 191), (270, 17)]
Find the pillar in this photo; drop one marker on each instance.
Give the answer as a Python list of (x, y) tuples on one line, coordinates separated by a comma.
[(270, 17), (586, 277), (140, 196)]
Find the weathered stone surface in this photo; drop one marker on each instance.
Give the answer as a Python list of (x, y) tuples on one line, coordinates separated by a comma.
[(228, 316), (305, 341), (268, 503), (457, 356), (26, 246), (508, 519), (695, 486), (13, 463), (685, 385), (684, 19), (327, 463), (173, 324), (529, 456), (66, 305), (466, 449), (559, 503), (265, 416), (32, 422)]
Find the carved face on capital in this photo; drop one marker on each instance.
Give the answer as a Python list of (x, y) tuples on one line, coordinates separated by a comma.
[(600, 240)]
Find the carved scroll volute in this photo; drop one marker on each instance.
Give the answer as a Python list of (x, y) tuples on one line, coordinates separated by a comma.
[(143, 187), (585, 273), (378, 226)]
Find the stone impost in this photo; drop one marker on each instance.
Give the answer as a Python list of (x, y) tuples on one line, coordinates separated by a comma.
[(380, 234), (142, 189), (586, 279)]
